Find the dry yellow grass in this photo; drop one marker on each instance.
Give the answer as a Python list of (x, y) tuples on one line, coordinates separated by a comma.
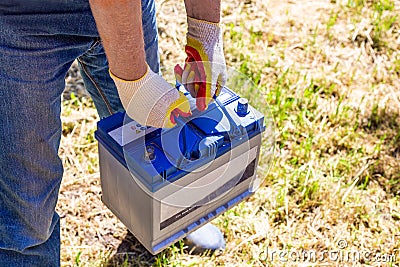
[(329, 71)]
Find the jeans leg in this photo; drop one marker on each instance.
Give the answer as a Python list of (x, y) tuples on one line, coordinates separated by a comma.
[(150, 33), (32, 72), (46, 254), (30, 170), (94, 66)]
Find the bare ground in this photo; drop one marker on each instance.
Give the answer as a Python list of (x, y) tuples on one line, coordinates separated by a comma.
[(329, 71)]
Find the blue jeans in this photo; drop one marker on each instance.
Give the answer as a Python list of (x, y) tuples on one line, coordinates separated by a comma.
[(39, 40)]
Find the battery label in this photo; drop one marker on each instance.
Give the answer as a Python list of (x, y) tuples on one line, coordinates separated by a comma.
[(200, 189), (249, 172), (130, 132)]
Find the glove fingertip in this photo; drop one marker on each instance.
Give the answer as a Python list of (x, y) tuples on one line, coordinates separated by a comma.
[(178, 73), (172, 118), (201, 104), (183, 114), (217, 91), (178, 69)]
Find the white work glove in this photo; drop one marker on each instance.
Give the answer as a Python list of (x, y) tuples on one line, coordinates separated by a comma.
[(151, 100), (204, 72)]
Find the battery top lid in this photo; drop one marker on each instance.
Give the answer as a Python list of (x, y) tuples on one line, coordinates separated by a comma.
[(158, 157)]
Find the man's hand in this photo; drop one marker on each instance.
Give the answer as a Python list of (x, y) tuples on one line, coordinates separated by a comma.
[(204, 72), (151, 100)]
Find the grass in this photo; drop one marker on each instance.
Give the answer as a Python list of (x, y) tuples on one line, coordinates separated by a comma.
[(327, 72)]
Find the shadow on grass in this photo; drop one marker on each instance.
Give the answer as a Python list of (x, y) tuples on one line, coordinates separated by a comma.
[(130, 253), (384, 125)]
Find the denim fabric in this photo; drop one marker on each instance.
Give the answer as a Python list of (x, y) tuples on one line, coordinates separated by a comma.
[(39, 40)]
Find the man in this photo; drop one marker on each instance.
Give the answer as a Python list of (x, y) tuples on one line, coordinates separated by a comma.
[(39, 41)]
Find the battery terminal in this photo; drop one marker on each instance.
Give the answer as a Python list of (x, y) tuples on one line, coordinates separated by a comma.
[(149, 154)]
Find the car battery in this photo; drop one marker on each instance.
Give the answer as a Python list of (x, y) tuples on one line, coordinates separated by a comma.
[(165, 183)]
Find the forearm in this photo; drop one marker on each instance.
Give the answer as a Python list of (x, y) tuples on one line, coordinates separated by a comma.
[(209, 10), (119, 23)]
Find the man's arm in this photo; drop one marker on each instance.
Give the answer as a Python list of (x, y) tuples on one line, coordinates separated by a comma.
[(119, 23), (209, 10), (146, 97)]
